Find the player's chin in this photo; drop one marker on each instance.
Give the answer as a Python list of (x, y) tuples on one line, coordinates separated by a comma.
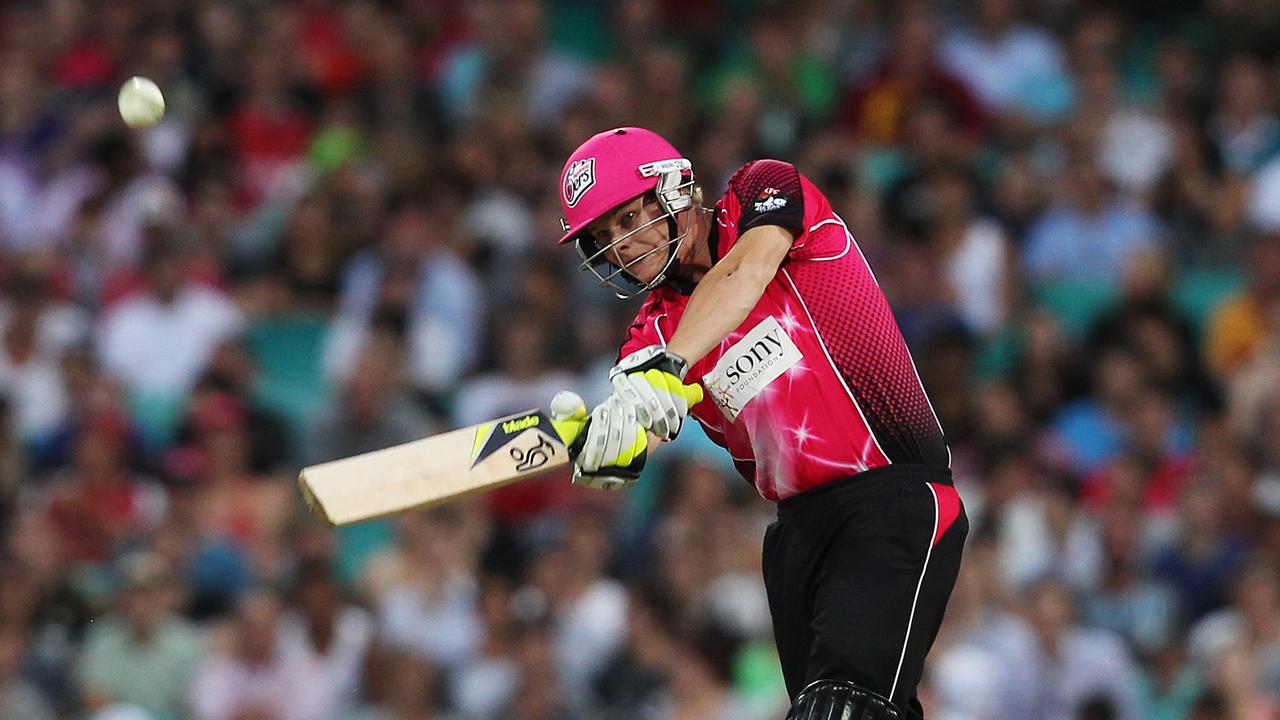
[(648, 269), (643, 274)]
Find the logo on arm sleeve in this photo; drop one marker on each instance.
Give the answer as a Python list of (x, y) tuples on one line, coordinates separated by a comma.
[(770, 199), (749, 366), (578, 180)]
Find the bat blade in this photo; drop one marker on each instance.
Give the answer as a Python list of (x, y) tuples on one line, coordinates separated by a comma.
[(433, 470)]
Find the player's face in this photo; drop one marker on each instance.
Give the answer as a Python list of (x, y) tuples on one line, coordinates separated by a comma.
[(641, 238)]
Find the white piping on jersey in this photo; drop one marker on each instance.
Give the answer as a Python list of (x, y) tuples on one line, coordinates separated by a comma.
[(715, 430), (910, 357), (823, 344), (658, 329), (848, 238), (910, 618)]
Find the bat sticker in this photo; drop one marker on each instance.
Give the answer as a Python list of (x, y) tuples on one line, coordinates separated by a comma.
[(534, 457)]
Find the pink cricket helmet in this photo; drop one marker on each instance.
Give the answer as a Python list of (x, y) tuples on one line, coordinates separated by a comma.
[(609, 169)]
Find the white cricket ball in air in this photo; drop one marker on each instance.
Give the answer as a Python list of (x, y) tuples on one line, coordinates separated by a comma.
[(141, 103), (568, 404)]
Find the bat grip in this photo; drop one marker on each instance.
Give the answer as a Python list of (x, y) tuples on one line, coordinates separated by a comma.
[(630, 471)]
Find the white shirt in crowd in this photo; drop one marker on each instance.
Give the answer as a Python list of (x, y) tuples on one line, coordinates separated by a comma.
[(976, 272), (300, 684), (161, 349), (35, 388), (589, 631), (443, 626), (998, 69)]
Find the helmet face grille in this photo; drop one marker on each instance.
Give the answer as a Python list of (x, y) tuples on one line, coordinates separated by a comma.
[(675, 195)]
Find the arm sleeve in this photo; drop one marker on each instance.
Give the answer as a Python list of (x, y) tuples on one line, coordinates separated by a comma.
[(769, 192), (773, 192)]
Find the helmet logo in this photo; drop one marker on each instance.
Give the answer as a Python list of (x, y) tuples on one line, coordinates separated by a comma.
[(578, 180)]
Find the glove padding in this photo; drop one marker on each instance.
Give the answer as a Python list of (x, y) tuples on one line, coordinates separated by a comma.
[(651, 382), (608, 446)]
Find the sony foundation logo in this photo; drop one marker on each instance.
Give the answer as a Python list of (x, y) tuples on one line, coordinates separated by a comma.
[(749, 366)]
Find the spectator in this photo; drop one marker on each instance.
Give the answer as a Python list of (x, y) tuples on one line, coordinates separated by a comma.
[(909, 76), (372, 410), (235, 504), (36, 331), (1046, 536), (1091, 234), (121, 194), (489, 682), (160, 339), (541, 695), (1250, 625), (143, 654), (243, 674), (1244, 129), (1206, 555), (588, 610), (324, 642), (634, 682), (700, 676), (973, 251), (99, 503), (1007, 63), (408, 689), (1069, 667), (425, 591), (525, 373), (1238, 327), (414, 274), (1142, 612)]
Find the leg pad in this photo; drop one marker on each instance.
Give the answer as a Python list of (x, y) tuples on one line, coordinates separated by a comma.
[(839, 700)]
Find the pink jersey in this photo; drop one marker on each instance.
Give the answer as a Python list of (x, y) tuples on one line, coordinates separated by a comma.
[(817, 383)]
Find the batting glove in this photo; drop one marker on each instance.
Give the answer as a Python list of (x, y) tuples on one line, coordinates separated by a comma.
[(608, 447), (651, 382)]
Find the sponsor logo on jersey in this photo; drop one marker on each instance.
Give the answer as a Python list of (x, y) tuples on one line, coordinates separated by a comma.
[(579, 179), (746, 368)]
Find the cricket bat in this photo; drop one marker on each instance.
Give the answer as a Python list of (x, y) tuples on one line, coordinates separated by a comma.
[(436, 469)]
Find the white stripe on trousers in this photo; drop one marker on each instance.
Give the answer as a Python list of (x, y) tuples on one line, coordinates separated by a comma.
[(916, 599)]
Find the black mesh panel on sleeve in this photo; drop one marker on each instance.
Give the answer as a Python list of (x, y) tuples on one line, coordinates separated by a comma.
[(770, 194)]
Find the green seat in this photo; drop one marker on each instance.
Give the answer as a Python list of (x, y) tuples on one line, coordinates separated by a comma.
[(288, 351), (1198, 292), (359, 543), (1077, 304), (157, 415)]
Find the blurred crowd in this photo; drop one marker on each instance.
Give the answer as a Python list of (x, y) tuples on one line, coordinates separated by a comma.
[(342, 236)]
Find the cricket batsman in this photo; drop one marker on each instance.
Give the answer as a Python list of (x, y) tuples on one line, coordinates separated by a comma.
[(765, 301)]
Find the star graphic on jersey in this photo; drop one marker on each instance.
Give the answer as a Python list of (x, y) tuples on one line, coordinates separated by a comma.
[(800, 368), (789, 323), (802, 433)]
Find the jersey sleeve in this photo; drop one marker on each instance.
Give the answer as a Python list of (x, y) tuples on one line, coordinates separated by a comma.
[(773, 192), (768, 192), (646, 329)]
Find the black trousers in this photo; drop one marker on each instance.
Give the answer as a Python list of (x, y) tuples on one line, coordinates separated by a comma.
[(858, 574)]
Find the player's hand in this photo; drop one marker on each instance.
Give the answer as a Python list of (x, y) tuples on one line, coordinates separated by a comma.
[(651, 382), (608, 446)]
